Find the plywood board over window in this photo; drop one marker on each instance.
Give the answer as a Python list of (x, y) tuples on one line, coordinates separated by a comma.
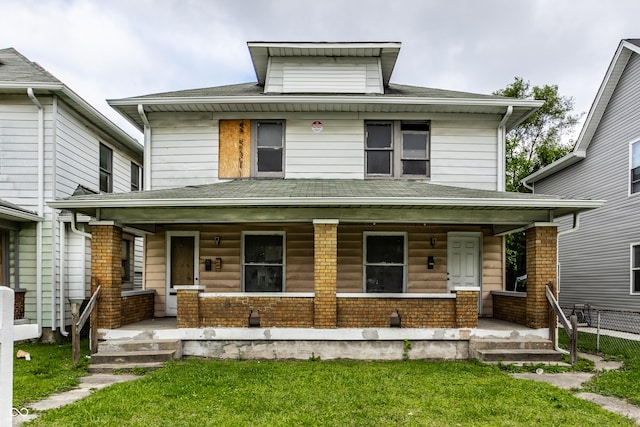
[(235, 149)]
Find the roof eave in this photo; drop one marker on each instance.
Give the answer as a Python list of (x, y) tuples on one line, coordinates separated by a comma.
[(558, 165)]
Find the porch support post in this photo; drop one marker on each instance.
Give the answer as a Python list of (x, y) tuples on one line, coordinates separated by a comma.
[(542, 270), (106, 272), (325, 273), (467, 307), (188, 306)]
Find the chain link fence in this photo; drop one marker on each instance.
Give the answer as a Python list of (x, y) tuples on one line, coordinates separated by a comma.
[(608, 331)]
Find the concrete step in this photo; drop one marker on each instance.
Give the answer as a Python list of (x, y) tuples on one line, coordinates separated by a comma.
[(133, 356), (518, 355), (140, 345)]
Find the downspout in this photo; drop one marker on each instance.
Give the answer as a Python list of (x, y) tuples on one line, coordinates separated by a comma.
[(74, 227), (502, 152), (527, 186), (85, 235), (146, 184), (37, 103), (63, 272)]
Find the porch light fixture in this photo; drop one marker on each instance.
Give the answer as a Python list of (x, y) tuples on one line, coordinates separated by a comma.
[(216, 240), (254, 319), (434, 240), (394, 320)]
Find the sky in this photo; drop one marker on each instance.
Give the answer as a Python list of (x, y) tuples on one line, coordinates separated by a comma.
[(112, 49)]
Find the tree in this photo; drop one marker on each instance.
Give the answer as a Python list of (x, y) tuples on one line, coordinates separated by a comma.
[(533, 144), (541, 139)]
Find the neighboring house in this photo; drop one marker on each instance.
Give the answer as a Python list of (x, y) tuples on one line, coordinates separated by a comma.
[(322, 199), (600, 261), (52, 144)]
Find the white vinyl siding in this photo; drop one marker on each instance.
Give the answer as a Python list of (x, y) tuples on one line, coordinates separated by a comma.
[(311, 75), (19, 151), (184, 150), (335, 153), (595, 259), (464, 153)]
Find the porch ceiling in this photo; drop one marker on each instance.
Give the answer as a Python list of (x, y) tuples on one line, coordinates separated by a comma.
[(277, 200)]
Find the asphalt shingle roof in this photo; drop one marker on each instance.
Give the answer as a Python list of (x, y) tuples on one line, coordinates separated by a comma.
[(16, 68)]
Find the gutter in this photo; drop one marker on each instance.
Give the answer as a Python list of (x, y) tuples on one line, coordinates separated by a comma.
[(40, 212), (550, 169)]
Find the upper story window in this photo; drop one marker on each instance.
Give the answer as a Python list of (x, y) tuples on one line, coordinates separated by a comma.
[(397, 149), (385, 262), (269, 148), (635, 269), (263, 262), (635, 167), (106, 169), (136, 177)]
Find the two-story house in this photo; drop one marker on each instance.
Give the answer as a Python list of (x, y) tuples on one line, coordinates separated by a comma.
[(600, 261), (54, 144), (323, 203)]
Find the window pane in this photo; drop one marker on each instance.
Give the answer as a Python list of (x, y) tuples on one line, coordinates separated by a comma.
[(385, 249), (135, 177), (379, 162), (262, 278), (384, 278), (416, 126), (414, 167), (105, 182), (269, 134), (263, 249), (636, 257), (635, 155), (105, 158), (414, 145), (635, 187), (269, 160), (379, 135)]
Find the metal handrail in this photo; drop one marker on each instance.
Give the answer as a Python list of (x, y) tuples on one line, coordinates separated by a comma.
[(570, 326)]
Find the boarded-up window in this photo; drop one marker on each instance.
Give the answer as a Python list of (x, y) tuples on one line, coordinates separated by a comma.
[(234, 159)]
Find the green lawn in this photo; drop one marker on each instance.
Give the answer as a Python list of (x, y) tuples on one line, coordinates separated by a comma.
[(624, 383), (196, 392), (49, 371)]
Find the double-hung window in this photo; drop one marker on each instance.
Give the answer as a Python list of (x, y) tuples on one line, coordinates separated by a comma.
[(136, 177), (269, 148), (106, 169), (263, 262), (635, 269), (635, 167), (397, 149), (385, 262)]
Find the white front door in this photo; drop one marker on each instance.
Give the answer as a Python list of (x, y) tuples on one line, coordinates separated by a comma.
[(182, 265), (463, 265)]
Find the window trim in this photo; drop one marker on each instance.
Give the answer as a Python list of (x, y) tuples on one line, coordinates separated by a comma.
[(405, 265), (254, 149), (632, 291), (243, 264), (108, 172), (630, 168), (397, 148)]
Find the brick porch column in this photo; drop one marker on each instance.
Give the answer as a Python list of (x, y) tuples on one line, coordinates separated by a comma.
[(325, 272), (188, 306), (106, 271), (466, 308), (542, 268)]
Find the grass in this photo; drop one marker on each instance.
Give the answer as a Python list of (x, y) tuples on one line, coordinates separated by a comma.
[(49, 371), (623, 383), (196, 392)]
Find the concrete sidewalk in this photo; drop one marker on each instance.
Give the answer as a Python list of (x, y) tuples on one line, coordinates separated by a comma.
[(87, 386), (574, 381)]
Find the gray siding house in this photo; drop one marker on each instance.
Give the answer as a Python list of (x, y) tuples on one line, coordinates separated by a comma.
[(54, 144), (599, 263)]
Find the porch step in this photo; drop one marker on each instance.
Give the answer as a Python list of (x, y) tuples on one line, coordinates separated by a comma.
[(126, 355), (514, 350)]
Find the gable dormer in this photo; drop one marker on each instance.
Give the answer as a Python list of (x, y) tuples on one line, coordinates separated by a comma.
[(323, 67)]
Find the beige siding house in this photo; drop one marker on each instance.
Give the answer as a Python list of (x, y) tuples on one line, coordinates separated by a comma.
[(324, 203)]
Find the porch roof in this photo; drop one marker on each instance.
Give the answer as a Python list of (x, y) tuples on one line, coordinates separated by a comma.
[(274, 195), (13, 213)]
